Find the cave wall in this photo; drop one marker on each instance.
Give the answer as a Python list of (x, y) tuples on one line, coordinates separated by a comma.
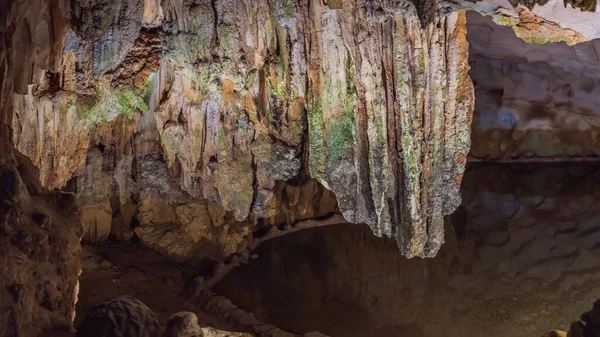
[(534, 99), (192, 124), (40, 230)]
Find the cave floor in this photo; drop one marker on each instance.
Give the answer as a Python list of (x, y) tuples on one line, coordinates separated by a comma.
[(428, 298), (117, 269)]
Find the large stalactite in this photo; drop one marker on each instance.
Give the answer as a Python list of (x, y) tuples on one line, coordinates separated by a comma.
[(381, 88), (389, 119)]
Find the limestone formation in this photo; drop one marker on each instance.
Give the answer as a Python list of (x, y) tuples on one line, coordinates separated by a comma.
[(389, 113), (238, 97), (374, 99)]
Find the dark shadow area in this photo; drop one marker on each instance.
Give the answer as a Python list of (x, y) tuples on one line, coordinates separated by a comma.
[(524, 259)]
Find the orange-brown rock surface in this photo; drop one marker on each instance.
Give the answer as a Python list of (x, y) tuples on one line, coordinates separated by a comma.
[(372, 99)]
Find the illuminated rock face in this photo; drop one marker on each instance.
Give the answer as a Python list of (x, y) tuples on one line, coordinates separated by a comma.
[(579, 16), (389, 114), (371, 99)]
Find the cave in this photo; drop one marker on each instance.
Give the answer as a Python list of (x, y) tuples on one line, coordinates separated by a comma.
[(310, 168)]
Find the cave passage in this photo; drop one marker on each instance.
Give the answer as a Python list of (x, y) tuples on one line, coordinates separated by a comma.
[(521, 258)]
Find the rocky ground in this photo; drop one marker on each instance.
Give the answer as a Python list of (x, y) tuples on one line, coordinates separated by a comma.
[(324, 285), (119, 269)]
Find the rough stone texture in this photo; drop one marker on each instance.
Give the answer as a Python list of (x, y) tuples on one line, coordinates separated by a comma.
[(124, 316), (93, 194), (584, 5), (535, 29), (111, 27), (521, 258), (49, 132), (188, 121), (389, 127), (212, 332), (178, 226), (183, 324), (228, 106), (39, 230), (39, 235), (530, 103), (233, 127)]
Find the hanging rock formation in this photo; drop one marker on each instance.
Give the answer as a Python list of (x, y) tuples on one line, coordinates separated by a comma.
[(389, 115), (226, 92)]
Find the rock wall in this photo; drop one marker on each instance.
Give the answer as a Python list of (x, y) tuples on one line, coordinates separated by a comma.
[(530, 102), (39, 230), (192, 125), (39, 259)]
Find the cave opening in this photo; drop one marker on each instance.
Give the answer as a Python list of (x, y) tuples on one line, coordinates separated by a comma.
[(520, 257)]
